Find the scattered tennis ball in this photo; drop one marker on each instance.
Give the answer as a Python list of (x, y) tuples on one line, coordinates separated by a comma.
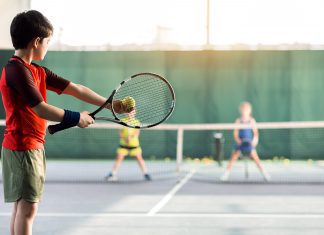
[(206, 160), (286, 161), (167, 159), (128, 103), (209, 161)]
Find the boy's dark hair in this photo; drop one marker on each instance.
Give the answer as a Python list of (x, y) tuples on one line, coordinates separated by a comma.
[(28, 25)]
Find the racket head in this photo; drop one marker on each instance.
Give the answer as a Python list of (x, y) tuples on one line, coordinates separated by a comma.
[(154, 100)]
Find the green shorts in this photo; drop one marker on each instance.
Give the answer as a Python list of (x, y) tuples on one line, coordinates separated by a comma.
[(23, 174)]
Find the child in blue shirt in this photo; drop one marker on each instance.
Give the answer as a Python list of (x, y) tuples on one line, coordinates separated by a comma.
[(246, 140)]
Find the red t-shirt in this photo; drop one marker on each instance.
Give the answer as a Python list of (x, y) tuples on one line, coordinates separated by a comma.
[(23, 86)]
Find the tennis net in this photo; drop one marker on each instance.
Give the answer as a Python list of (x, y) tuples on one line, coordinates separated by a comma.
[(291, 152)]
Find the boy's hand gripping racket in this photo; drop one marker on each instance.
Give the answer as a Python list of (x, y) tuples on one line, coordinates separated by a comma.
[(141, 101)]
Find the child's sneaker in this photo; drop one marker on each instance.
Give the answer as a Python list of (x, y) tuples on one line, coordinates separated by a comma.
[(225, 176), (147, 177), (266, 176), (110, 177)]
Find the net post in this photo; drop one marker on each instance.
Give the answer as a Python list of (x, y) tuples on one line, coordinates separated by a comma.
[(179, 148)]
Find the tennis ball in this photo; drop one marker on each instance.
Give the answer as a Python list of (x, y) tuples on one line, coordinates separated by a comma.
[(167, 159), (205, 160), (128, 103), (286, 161)]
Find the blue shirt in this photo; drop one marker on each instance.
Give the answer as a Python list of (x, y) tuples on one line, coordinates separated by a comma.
[(246, 133)]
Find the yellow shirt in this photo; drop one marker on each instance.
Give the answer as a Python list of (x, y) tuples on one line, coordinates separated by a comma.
[(129, 136)]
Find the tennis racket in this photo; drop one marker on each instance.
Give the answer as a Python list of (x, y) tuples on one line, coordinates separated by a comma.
[(151, 97)]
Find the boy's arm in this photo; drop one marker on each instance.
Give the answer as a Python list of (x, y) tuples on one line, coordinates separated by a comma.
[(255, 133), (89, 96), (63, 86), (84, 93), (52, 113)]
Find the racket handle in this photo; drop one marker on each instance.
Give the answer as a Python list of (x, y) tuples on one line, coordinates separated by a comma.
[(52, 129), (70, 119)]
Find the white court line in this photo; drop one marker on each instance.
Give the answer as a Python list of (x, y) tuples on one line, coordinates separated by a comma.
[(170, 194), (184, 215)]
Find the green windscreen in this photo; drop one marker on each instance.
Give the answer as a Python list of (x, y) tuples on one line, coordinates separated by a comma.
[(209, 86)]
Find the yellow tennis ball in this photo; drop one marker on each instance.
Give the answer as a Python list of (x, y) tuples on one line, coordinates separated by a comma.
[(129, 103)]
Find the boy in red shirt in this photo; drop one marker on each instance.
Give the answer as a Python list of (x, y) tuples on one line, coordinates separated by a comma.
[(23, 86)]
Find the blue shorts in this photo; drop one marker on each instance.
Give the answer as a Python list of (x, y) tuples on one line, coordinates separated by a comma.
[(244, 147)]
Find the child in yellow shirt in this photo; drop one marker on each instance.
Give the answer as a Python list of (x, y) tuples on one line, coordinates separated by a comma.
[(129, 145)]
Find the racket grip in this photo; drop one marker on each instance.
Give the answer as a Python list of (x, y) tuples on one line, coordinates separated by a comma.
[(70, 119), (52, 129)]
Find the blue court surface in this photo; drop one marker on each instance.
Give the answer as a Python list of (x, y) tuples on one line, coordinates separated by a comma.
[(190, 202)]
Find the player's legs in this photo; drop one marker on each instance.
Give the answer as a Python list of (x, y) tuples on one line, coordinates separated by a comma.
[(140, 160), (235, 155), (137, 152), (121, 153), (254, 155), (23, 181), (13, 218), (142, 165), (119, 158), (24, 217)]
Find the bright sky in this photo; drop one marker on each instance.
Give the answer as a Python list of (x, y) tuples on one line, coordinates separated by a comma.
[(183, 22), (267, 21)]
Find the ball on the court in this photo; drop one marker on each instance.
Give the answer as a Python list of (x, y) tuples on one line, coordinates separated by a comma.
[(128, 103), (286, 161)]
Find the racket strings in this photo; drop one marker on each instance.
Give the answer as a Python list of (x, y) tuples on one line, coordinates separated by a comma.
[(130, 88), (163, 95), (159, 112), (139, 93), (151, 109), (153, 98)]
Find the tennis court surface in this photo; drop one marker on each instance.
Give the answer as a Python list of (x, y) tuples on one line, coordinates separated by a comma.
[(191, 202)]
